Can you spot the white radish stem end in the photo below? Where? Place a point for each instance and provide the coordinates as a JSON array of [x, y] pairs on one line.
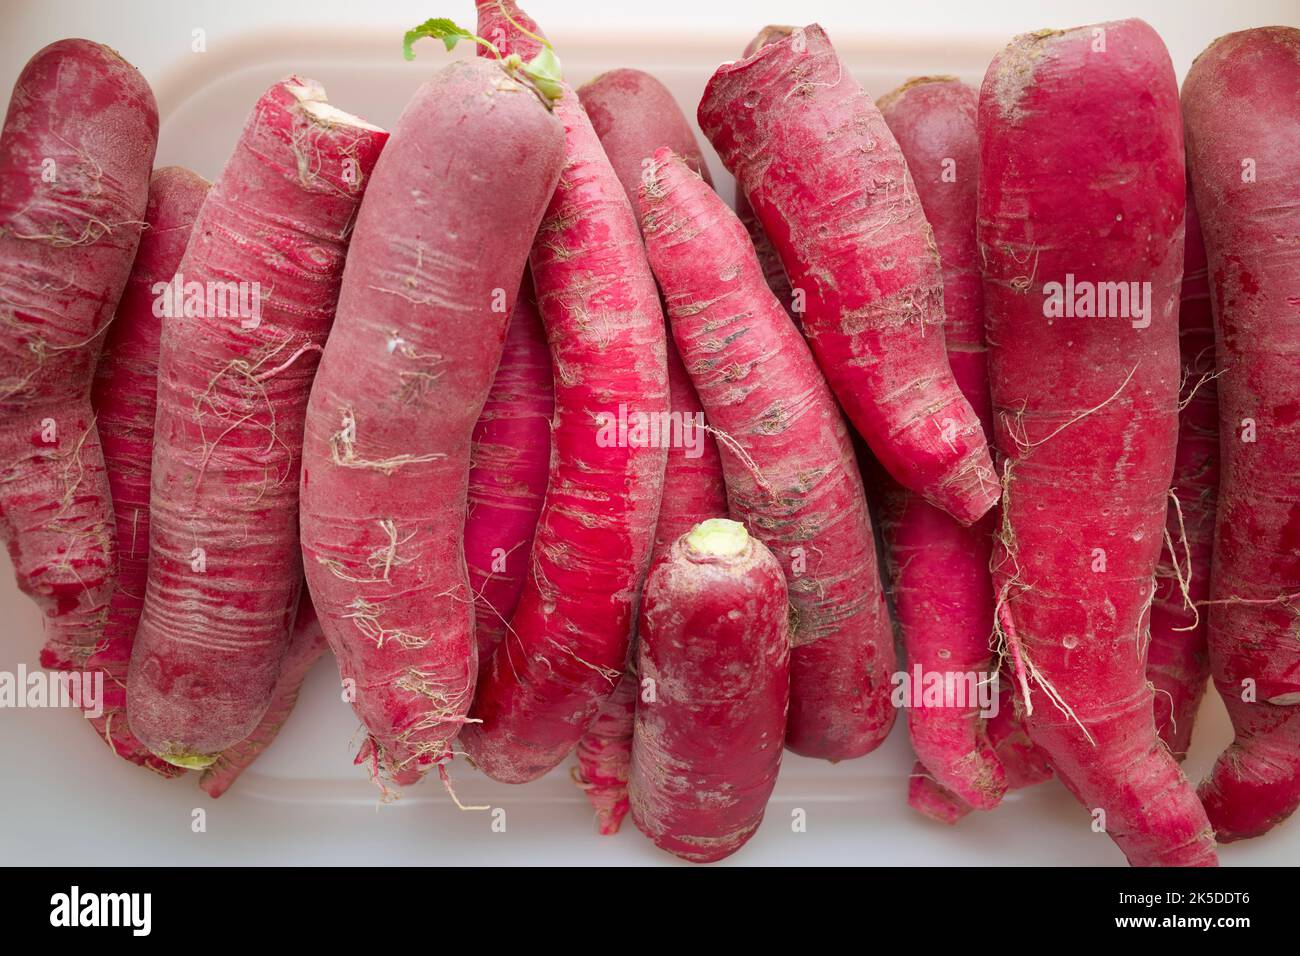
[[718, 538], [314, 104]]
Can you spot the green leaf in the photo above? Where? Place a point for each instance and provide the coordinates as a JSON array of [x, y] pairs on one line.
[[545, 72], [440, 28]]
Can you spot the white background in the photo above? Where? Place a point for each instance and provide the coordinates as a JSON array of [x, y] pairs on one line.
[[65, 799], [140, 28]]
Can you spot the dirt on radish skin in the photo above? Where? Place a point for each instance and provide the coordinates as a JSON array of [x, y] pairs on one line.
[[1086, 408], [715, 648], [634, 114], [75, 158], [125, 397], [1243, 150], [790, 470], [570, 634], [437, 257], [233, 381], [829, 184]]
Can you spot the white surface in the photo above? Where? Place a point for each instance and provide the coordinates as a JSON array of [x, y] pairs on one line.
[[67, 800]]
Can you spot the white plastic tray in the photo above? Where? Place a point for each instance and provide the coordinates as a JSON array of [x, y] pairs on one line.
[[66, 800]]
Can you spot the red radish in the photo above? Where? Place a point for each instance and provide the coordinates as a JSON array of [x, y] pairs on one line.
[[715, 647], [693, 492], [943, 601], [250, 307], [634, 114], [125, 400], [943, 593], [507, 478], [1178, 661], [436, 260], [1243, 146], [1023, 763], [605, 754], [1086, 405], [306, 645], [569, 637], [789, 464], [930, 798], [768, 258], [693, 482], [830, 187], [75, 158]]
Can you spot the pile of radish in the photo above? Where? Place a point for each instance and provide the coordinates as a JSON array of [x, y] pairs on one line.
[[562, 458]]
